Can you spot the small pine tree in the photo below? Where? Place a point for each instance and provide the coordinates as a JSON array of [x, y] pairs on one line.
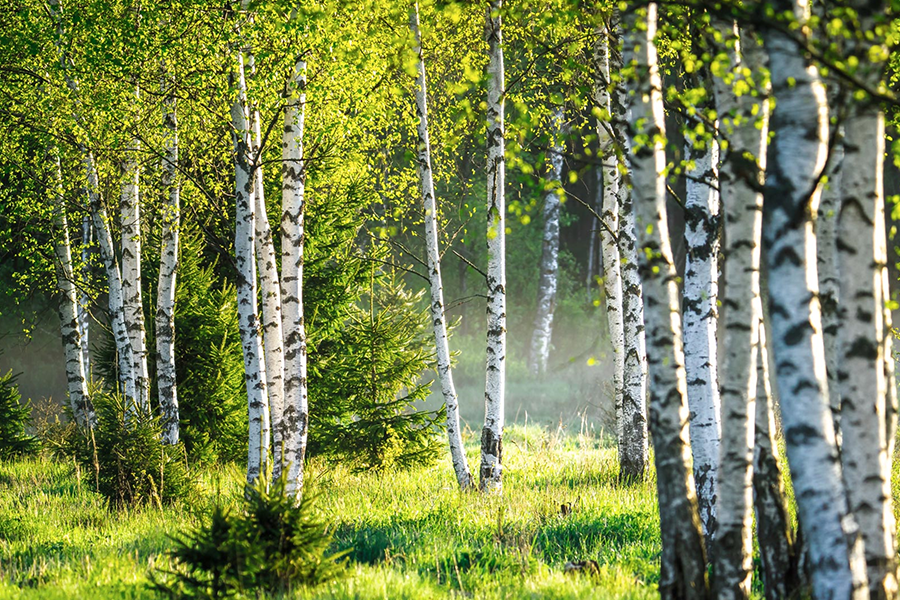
[[14, 417]]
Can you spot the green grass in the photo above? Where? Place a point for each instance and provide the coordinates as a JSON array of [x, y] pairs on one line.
[[410, 534]]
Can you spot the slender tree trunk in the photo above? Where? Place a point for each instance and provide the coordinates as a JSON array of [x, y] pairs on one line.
[[543, 321], [432, 239], [682, 564], [130, 214], [168, 271], [84, 299], [862, 259], [744, 123], [76, 383], [495, 377], [796, 157], [634, 446], [777, 550], [699, 306], [595, 264], [609, 232], [295, 417], [248, 319]]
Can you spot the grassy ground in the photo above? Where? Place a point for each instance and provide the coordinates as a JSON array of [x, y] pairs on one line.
[[409, 534]]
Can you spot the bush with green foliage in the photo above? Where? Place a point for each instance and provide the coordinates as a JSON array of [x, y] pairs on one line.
[[128, 460], [14, 417], [272, 544]]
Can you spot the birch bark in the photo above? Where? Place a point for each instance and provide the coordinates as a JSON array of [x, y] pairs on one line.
[[682, 564], [432, 238], [168, 272], [700, 315], [797, 155], [495, 377], [744, 124], [862, 258], [295, 418], [547, 286], [248, 319], [76, 383], [84, 299]]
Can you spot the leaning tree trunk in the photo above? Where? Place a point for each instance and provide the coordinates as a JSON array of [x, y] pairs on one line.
[[76, 383], [700, 313], [796, 157], [547, 286], [495, 371], [862, 258], [248, 319], [744, 124], [295, 418], [130, 214], [682, 564], [634, 446], [84, 299], [432, 235], [166, 379], [777, 551], [609, 232]]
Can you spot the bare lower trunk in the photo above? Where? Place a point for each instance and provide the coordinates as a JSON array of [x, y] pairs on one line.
[[744, 123], [701, 315], [76, 383], [248, 319], [796, 157], [432, 238], [547, 286], [777, 551], [295, 417], [682, 564], [495, 377], [168, 271], [84, 299]]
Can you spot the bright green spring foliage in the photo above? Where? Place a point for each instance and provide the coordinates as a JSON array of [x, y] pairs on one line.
[[269, 544], [14, 417]]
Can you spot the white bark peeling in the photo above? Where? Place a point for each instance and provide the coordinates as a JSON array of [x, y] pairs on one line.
[[432, 239], [547, 286], [248, 319], [168, 271], [295, 416], [682, 564], [76, 383], [796, 157], [495, 377]]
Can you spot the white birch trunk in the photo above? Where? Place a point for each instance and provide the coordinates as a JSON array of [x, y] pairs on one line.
[[432, 239], [634, 445], [862, 258], [547, 286], [295, 417], [168, 271], [84, 299], [744, 122], [796, 157], [495, 376], [76, 383], [682, 564], [130, 215], [700, 315], [248, 319]]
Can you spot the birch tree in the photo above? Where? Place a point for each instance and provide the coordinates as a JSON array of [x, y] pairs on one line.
[[495, 371], [168, 271], [700, 312], [547, 285], [862, 257], [84, 298], [743, 123], [295, 416], [435, 282], [76, 382], [682, 564], [796, 157]]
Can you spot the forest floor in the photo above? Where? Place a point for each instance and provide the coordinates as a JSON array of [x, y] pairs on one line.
[[410, 534]]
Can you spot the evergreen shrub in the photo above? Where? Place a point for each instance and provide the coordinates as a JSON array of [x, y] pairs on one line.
[[14, 418]]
